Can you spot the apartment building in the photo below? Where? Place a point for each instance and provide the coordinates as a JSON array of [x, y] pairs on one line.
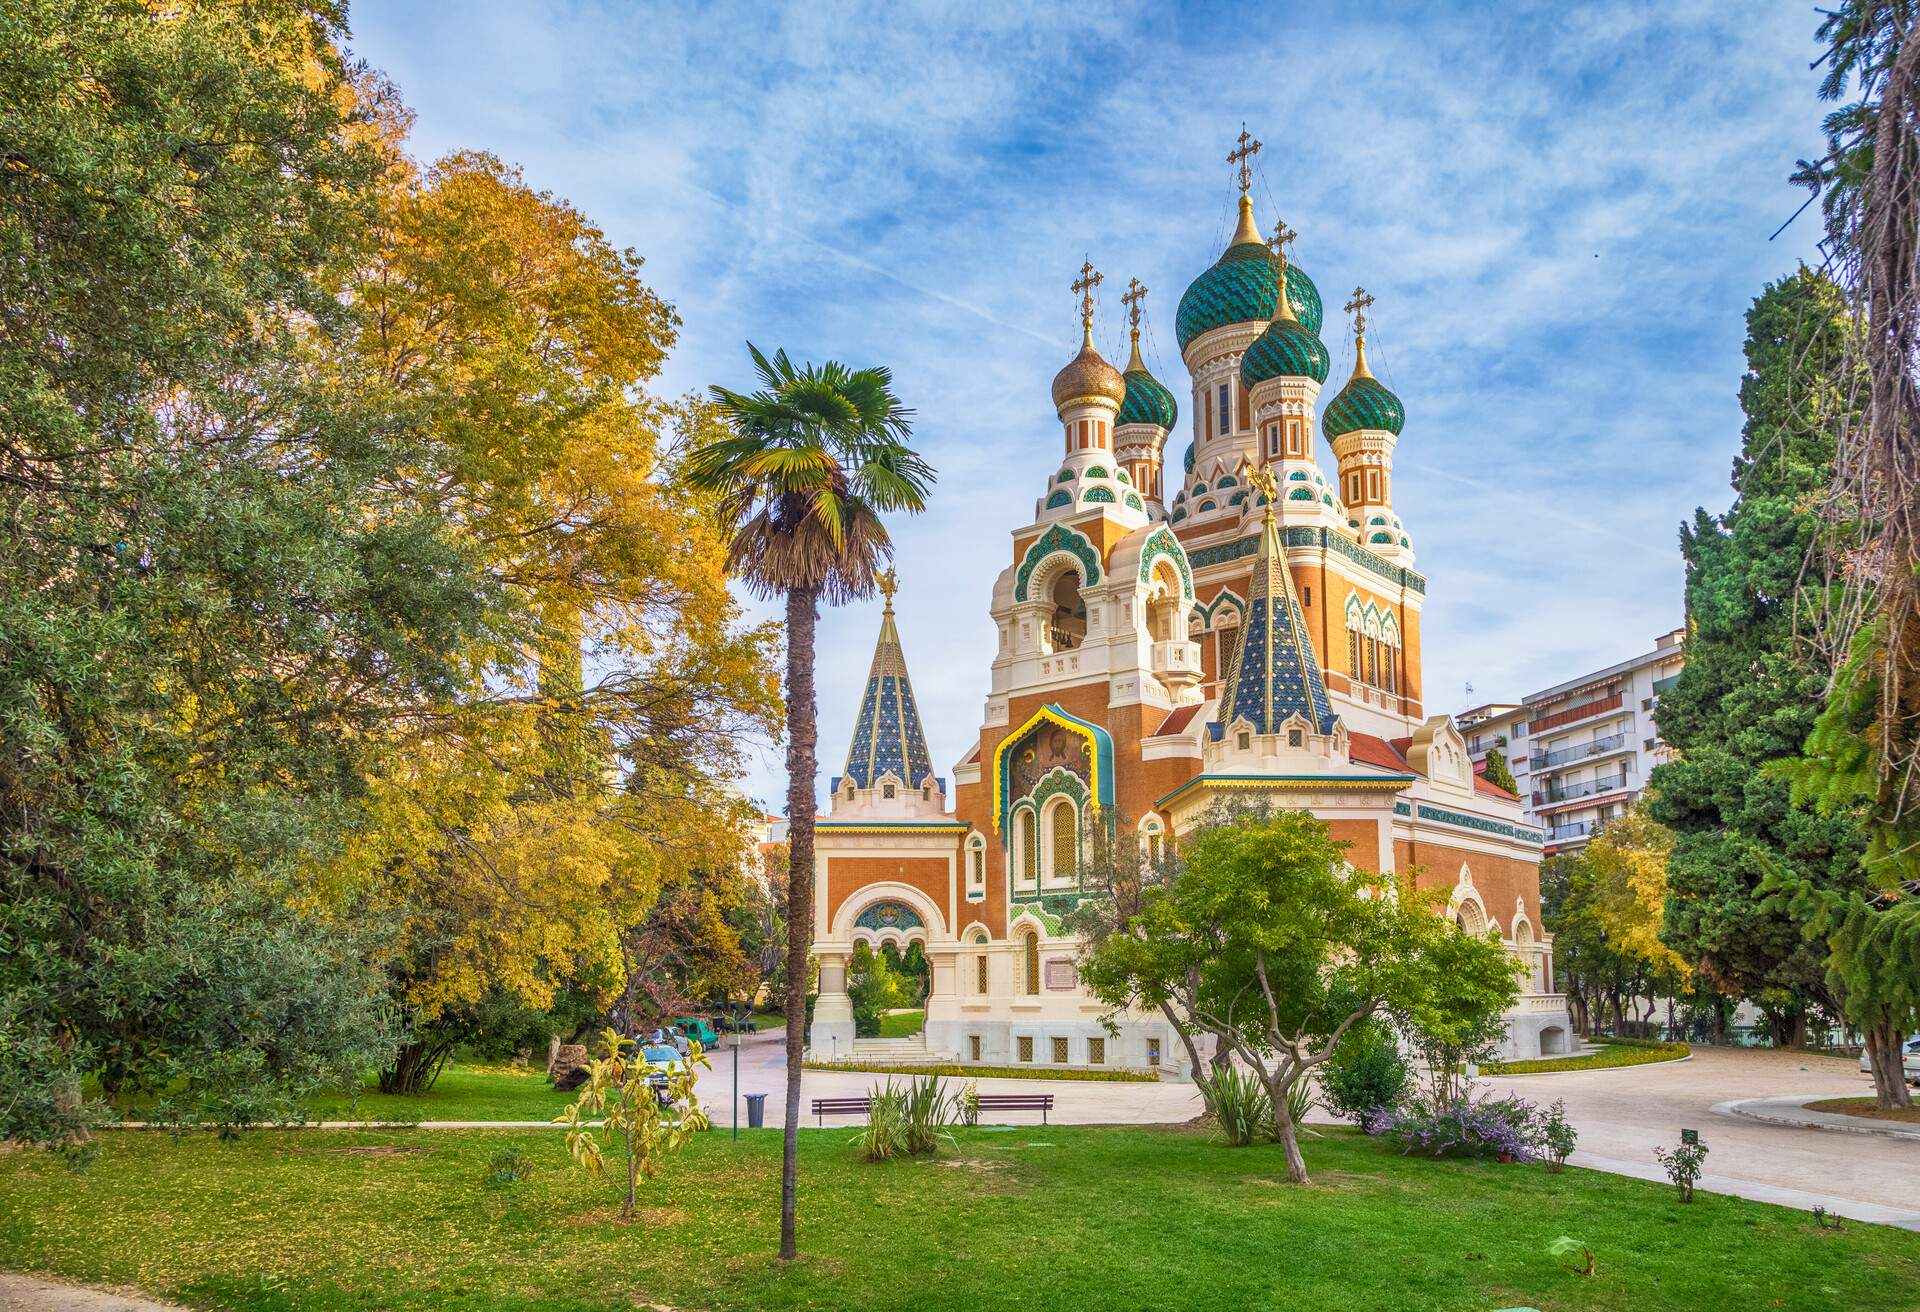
[[1582, 750]]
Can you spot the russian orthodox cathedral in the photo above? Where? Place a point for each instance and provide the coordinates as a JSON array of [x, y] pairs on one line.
[[1243, 627]]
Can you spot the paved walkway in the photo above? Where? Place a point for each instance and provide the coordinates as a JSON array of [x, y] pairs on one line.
[[1625, 1113], [31, 1294], [1795, 1112]]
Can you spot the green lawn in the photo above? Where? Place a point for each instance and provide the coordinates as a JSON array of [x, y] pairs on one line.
[[1056, 1218], [901, 1024], [1612, 1052], [462, 1093]]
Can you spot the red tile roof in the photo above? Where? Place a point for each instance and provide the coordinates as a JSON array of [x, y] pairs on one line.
[[1481, 784], [1177, 720], [1367, 749]]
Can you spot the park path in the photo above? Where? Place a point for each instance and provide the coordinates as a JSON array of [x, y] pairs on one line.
[[32, 1294]]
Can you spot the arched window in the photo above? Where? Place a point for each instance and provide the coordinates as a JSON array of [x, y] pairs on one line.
[[1067, 625], [1031, 959], [1063, 839], [976, 864], [1026, 845], [1153, 839], [1353, 653]]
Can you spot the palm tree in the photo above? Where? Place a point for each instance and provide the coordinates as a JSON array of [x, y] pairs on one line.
[[815, 458]]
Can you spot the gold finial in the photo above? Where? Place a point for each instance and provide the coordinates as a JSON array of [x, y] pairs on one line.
[[1136, 292], [1282, 238], [889, 584], [1242, 158], [1357, 307], [1266, 485], [1083, 286]]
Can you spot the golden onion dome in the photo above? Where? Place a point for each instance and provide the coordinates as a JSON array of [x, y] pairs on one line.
[[1088, 377]]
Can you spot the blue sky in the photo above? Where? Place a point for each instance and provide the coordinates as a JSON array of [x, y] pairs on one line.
[[1563, 210]]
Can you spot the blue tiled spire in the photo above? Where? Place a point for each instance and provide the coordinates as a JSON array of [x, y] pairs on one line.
[[887, 738], [1274, 672]]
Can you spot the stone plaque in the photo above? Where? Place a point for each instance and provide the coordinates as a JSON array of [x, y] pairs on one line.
[[1061, 977]]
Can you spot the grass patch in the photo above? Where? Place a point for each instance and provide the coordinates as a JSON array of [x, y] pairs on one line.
[[285, 1223], [769, 1020], [462, 1093], [902, 1024], [988, 1072], [1866, 1107], [1613, 1052]]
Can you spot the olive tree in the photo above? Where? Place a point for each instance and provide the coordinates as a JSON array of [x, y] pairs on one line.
[[1262, 936]]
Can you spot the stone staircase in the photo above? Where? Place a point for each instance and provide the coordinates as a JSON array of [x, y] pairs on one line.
[[906, 1051]]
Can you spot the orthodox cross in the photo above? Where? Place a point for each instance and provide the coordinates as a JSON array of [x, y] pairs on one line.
[[1282, 238], [1136, 292], [889, 584], [1084, 286], [1243, 159], [1357, 307]]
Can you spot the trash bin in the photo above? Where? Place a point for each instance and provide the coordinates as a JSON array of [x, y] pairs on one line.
[[756, 1111]]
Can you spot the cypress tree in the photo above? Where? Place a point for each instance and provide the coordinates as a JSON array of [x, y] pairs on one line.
[[1751, 688], [1499, 773]]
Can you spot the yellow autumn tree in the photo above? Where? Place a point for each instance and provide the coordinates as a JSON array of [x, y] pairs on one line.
[[523, 824], [1626, 863]]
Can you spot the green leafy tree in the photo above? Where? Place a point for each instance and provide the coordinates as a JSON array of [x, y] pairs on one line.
[[647, 1121], [218, 585], [812, 462], [1499, 773], [1752, 686], [1265, 940]]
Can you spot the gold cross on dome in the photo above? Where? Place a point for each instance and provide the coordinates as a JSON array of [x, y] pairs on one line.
[[1283, 237], [1136, 292], [1357, 307], [889, 584], [1084, 286], [1243, 158]]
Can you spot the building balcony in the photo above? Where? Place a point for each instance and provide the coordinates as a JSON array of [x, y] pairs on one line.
[[1613, 742], [1571, 830], [1586, 788], [1176, 662], [1573, 714]]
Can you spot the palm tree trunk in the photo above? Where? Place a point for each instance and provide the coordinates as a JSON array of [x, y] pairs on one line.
[[802, 748]]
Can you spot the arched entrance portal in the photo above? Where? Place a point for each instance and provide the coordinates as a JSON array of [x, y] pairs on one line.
[[888, 975]]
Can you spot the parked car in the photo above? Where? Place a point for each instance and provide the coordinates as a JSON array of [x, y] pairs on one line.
[[696, 1027], [666, 1062], [665, 1037], [1910, 1061]]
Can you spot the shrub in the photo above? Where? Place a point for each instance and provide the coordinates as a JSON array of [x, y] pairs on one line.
[[885, 1135], [1299, 1103], [508, 1166], [1241, 1106], [926, 1111], [1465, 1127], [1683, 1166], [1558, 1136], [1366, 1073]]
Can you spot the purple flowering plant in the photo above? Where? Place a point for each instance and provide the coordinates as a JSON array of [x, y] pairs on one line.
[[1467, 1127]]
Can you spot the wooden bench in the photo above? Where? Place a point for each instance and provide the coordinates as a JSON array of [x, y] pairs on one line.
[[825, 1107], [1017, 1102], [988, 1102]]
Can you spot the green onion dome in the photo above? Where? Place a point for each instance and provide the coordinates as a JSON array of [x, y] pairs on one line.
[[1148, 402], [1365, 402], [1287, 349], [1088, 377], [1240, 287]]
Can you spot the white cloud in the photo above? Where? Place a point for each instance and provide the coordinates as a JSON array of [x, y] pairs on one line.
[[1563, 211]]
